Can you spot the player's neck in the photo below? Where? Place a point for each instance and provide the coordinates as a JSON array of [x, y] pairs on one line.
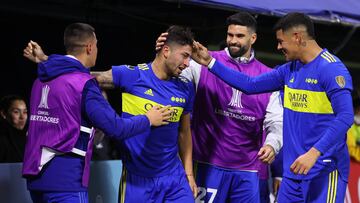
[[81, 58], [158, 67], [310, 52]]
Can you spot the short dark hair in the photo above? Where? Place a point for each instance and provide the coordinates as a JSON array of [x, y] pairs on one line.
[[243, 19], [295, 19], [75, 35], [179, 35], [7, 101]]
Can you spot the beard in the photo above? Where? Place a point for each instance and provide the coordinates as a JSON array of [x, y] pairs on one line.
[[242, 50]]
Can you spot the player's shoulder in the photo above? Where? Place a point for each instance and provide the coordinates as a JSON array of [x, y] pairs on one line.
[[329, 61], [329, 58], [183, 79], [183, 83], [135, 68], [262, 67], [142, 67]]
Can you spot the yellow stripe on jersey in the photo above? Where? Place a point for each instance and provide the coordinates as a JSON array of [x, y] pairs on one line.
[[329, 186], [307, 101], [332, 188], [122, 186], [135, 105]]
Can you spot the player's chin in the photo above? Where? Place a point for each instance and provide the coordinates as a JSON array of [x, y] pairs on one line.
[[177, 74]]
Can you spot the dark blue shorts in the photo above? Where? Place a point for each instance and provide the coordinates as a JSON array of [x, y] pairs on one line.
[[172, 188], [329, 188], [222, 185]]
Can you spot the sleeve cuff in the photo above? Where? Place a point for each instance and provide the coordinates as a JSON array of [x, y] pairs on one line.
[[211, 64]]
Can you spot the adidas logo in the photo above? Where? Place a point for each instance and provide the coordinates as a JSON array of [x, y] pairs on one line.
[[292, 80], [149, 92]]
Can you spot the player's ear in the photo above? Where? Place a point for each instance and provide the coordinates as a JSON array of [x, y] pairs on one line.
[[2, 113], [253, 38], [166, 51], [89, 48]]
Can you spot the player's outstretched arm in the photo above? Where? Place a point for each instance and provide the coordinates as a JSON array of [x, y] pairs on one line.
[[104, 78], [34, 53], [159, 115], [185, 151], [103, 116]]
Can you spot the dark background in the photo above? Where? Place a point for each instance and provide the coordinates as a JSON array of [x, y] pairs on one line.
[[127, 30]]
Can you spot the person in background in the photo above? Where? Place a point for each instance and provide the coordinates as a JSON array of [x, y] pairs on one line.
[[353, 138], [13, 122]]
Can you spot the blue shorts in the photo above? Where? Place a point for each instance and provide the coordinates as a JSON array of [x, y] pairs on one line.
[[59, 197], [264, 191], [329, 188], [172, 188], [223, 185]]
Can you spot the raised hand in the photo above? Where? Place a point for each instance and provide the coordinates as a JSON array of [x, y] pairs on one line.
[[34, 53], [200, 54], [161, 41], [159, 115]]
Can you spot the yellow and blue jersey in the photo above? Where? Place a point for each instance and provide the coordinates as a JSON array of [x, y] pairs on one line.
[[317, 109], [308, 112], [153, 153]]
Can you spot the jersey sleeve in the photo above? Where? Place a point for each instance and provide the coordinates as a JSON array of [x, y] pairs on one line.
[[101, 115], [336, 81], [273, 122], [124, 75], [335, 77]]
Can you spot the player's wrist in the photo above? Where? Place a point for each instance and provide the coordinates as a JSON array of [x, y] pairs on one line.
[[211, 62], [315, 152]]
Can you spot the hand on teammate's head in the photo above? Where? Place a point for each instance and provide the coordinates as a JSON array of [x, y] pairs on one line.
[[160, 41]]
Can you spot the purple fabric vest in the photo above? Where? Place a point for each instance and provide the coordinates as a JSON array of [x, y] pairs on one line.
[[227, 124], [55, 119]]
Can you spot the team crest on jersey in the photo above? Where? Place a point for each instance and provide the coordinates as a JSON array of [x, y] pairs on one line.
[[340, 80], [236, 99], [44, 97]]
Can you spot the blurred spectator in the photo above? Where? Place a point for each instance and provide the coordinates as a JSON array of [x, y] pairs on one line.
[[353, 138], [12, 128], [104, 147]]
